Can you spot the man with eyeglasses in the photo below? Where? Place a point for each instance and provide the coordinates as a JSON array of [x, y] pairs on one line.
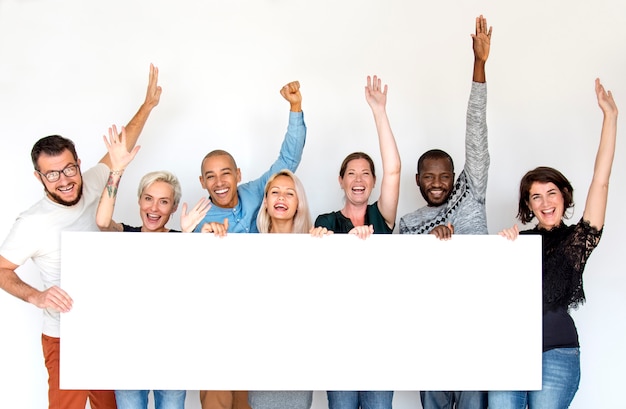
[[70, 203]]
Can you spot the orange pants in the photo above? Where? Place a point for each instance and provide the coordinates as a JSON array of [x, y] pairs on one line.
[[224, 400], [69, 399]]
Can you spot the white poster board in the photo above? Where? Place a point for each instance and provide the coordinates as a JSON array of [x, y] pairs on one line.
[[254, 312]]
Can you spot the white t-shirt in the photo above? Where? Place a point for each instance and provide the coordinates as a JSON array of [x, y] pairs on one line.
[[36, 234]]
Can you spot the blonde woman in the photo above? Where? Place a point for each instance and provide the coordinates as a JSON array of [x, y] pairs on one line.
[[284, 210]]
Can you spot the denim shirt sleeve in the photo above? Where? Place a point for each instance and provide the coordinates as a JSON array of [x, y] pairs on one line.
[[289, 156], [243, 217]]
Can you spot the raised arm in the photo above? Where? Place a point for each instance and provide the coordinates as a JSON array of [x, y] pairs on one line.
[[292, 147], [291, 92], [390, 186], [476, 136], [481, 42], [120, 157], [136, 124], [595, 207]]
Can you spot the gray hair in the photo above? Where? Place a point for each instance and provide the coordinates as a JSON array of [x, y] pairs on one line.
[[161, 176]]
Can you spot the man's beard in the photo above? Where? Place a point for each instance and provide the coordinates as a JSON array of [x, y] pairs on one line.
[[429, 202], [56, 198]]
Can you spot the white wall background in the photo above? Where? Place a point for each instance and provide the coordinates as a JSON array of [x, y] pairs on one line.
[[74, 68]]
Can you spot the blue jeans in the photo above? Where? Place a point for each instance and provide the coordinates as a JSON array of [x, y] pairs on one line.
[[139, 399], [360, 399], [447, 400], [560, 378]]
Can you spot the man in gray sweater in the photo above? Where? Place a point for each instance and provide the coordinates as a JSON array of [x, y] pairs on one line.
[[457, 207]]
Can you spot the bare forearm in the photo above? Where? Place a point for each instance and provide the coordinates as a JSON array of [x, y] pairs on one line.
[[606, 150], [296, 106], [390, 186], [387, 142], [104, 214], [136, 124], [12, 284], [595, 207], [479, 71]]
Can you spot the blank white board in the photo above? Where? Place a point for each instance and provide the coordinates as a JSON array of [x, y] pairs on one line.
[[283, 312]]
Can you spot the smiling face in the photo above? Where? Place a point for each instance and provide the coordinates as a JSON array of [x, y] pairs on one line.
[[435, 180], [547, 204], [66, 191], [156, 205], [220, 178], [281, 199], [357, 181]]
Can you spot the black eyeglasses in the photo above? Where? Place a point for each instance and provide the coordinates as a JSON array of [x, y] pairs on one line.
[[54, 175]]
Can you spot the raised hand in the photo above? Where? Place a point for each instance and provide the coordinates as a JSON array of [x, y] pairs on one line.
[[375, 95], [119, 155], [605, 99], [189, 221], [481, 39], [153, 95], [291, 92], [595, 207]]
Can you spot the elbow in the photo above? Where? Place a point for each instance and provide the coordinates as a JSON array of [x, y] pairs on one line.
[[102, 225], [394, 171], [392, 168]]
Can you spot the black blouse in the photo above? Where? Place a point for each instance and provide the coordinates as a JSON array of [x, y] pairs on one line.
[[566, 250]]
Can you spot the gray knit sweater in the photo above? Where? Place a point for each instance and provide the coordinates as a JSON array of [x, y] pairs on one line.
[[465, 208]]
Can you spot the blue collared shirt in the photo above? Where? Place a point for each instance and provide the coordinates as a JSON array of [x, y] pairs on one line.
[[242, 218]]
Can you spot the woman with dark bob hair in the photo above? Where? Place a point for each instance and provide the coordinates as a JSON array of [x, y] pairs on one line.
[[547, 195], [543, 174]]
